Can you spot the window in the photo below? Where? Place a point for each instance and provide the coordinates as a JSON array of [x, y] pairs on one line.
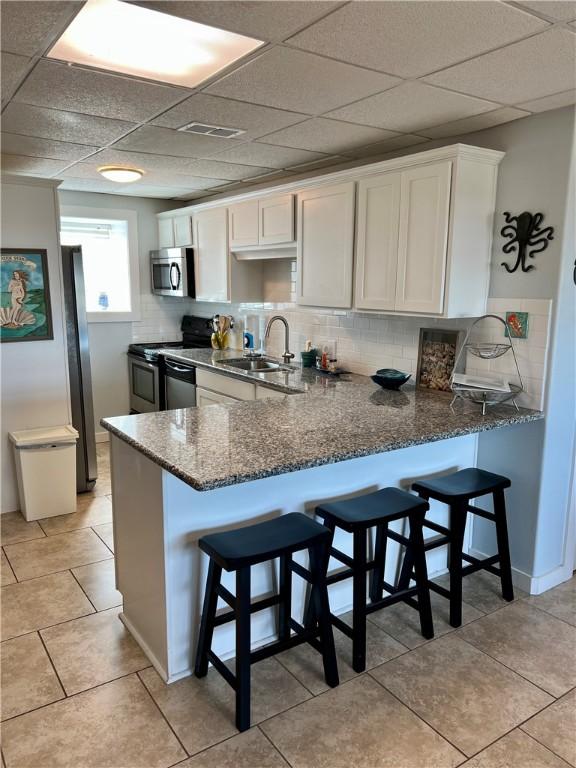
[[110, 258]]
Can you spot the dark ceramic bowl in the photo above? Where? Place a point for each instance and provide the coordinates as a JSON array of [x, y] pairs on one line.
[[390, 378]]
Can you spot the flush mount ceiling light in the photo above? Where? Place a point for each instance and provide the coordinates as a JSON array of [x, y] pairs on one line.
[[119, 174], [121, 37]]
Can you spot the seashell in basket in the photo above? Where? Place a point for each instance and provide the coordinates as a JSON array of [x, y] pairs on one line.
[[15, 317]]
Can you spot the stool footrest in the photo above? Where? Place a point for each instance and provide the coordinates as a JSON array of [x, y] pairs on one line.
[[481, 512], [223, 669], [487, 564], [342, 626], [257, 605], [398, 538], [301, 571], [333, 578], [435, 541], [436, 527], [341, 557], [401, 595], [439, 590]]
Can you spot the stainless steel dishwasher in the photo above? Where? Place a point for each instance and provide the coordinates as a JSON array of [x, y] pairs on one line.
[[179, 385]]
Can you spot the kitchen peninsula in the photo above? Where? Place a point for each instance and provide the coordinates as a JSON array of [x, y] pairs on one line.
[[177, 475]]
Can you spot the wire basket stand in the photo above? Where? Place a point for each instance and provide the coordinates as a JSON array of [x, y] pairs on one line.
[[487, 350]]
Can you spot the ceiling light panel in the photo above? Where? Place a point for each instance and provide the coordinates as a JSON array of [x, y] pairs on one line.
[[121, 37]]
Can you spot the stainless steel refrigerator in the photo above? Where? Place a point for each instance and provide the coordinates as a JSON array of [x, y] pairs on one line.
[[79, 367]]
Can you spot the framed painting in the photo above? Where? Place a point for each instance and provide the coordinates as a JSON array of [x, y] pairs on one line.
[[25, 313], [436, 358]]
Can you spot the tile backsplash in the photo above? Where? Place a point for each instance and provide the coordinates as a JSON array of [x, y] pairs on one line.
[[365, 341]]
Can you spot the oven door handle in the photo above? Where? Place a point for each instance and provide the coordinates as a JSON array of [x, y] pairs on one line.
[[178, 368], [175, 285]]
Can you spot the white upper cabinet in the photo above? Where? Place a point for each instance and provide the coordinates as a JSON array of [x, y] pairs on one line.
[[165, 233], [325, 245], [243, 223], [264, 221], [423, 235], [182, 231], [276, 220], [378, 223], [211, 263], [174, 231]]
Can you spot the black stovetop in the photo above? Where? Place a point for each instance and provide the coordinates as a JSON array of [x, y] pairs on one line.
[[196, 333]]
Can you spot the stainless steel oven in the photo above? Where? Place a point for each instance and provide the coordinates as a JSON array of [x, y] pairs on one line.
[[144, 385], [172, 272]]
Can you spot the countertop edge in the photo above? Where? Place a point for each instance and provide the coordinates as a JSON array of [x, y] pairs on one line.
[[286, 468]]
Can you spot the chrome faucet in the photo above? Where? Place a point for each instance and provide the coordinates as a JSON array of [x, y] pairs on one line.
[[287, 355]]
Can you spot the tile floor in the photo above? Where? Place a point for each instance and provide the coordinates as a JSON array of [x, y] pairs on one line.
[[77, 692]]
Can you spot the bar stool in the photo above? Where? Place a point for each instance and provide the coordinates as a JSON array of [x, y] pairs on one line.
[[457, 490], [357, 516], [238, 550]]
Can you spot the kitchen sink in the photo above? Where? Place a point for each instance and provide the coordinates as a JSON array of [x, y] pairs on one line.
[[258, 365]]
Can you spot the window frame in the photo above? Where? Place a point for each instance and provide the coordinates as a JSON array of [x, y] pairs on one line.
[[121, 214]]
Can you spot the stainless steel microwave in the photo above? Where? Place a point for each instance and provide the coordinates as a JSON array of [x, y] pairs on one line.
[[172, 272]]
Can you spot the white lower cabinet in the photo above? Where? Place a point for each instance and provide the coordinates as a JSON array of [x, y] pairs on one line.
[[227, 386], [265, 393], [325, 245], [207, 397]]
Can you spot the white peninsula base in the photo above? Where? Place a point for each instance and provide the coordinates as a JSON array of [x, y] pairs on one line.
[[158, 520]]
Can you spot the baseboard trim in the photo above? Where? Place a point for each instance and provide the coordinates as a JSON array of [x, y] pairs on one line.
[[146, 648], [534, 585], [102, 437]]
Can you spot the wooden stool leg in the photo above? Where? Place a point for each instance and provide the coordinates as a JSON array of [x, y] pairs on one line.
[[503, 546], [359, 603], [376, 588], [457, 527], [243, 648], [285, 591], [207, 621], [319, 557], [421, 575], [309, 612]]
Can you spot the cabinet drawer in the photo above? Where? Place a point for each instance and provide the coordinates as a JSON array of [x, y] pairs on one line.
[[241, 390], [207, 397]]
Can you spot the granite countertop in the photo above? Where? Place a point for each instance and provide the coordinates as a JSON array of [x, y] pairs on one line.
[[329, 420]]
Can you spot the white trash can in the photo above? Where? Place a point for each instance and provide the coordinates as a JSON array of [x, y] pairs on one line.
[[46, 470]]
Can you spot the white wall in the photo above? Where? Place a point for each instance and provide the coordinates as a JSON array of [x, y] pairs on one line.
[[160, 317], [35, 390]]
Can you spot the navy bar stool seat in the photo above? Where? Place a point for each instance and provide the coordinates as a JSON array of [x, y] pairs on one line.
[[238, 550], [457, 490], [357, 516]]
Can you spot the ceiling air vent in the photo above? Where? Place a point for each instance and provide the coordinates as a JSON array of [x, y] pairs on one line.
[[212, 130]]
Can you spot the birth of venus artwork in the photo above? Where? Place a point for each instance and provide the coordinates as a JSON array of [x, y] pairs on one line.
[[25, 295]]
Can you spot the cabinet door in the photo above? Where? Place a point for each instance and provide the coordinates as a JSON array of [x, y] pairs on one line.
[[276, 220], [325, 245], [377, 241], [206, 397], [165, 233], [424, 217], [265, 393], [243, 223], [211, 263], [182, 231]]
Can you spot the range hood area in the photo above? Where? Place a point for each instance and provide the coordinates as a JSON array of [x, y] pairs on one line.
[[264, 252]]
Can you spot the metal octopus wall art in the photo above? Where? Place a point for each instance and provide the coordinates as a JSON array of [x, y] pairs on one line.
[[526, 236]]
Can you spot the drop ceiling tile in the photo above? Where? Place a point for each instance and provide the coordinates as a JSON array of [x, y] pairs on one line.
[[299, 81], [32, 166], [59, 86], [166, 141], [316, 164], [210, 169], [256, 153], [411, 39], [556, 101], [542, 65], [390, 145], [562, 10], [14, 144], [475, 123], [322, 135], [13, 70], [213, 110], [411, 107], [110, 188], [30, 27], [264, 20], [63, 126]]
